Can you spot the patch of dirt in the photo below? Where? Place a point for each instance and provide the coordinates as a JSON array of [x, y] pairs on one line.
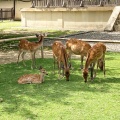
[[12, 56]]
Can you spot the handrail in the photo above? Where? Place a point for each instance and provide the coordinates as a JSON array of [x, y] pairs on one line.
[[73, 3]]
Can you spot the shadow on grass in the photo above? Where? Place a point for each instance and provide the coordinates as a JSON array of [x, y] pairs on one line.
[[18, 97]]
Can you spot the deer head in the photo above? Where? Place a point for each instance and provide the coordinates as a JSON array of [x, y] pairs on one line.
[[67, 74], [85, 75], [42, 70], [41, 36]]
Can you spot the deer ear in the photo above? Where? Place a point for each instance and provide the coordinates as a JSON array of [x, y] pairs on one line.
[[37, 35], [45, 34]]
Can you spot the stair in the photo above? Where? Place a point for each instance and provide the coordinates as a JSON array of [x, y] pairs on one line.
[[114, 20]]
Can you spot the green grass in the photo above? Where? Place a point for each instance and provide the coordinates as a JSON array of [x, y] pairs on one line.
[[8, 25], [58, 99], [12, 29]]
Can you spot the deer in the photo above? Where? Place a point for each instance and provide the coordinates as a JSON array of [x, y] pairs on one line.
[[60, 55], [94, 55], [33, 78], [78, 47], [27, 46]]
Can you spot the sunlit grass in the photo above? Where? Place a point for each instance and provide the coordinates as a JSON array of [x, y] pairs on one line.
[[58, 99], [7, 24], [11, 29]]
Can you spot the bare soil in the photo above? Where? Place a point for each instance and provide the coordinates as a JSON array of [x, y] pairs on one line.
[[12, 56]]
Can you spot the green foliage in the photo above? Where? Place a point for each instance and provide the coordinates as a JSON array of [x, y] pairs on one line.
[[60, 99]]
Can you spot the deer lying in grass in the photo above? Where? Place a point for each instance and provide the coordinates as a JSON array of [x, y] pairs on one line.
[[96, 53], [32, 47], [60, 55], [33, 78], [77, 47]]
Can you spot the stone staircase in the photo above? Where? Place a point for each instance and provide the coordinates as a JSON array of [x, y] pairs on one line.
[[116, 26], [114, 20]]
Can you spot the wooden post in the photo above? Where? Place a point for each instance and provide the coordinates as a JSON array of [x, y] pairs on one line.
[[1, 17], [101, 3], [82, 3], [14, 9]]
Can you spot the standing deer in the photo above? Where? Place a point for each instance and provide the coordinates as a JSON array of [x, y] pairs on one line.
[[77, 47], [60, 55], [27, 46], [33, 78], [96, 53]]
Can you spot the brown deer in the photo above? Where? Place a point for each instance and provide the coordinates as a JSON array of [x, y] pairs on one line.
[[77, 47], [60, 55], [27, 46], [96, 53], [33, 78]]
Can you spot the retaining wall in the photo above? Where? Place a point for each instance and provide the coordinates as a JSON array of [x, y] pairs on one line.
[[87, 18]]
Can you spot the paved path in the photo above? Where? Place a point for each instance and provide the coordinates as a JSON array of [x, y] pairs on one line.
[[97, 35]]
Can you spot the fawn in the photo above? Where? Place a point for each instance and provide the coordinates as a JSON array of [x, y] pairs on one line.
[[77, 47], [33, 78], [60, 55], [96, 53], [27, 46]]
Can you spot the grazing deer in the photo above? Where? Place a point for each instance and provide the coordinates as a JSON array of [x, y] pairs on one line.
[[77, 47], [33, 78], [32, 47], [96, 53], [60, 54]]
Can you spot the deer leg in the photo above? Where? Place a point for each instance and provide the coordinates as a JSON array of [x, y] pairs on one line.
[[97, 64], [62, 67], [70, 59], [34, 62], [23, 53], [81, 66], [91, 71], [94, 70], [59, 69], [19, 56], [54, 63], [70, 63], [104, 64], [32, 56]]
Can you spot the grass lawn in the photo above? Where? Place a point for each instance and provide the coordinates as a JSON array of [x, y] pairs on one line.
[[12, 29], [58, 99]]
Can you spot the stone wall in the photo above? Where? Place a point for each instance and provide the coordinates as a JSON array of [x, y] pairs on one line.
[[87, 18]]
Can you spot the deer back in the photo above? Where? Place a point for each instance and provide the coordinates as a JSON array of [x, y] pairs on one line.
[[56, 48], [29, 78], [97, 51], [78, 47], [31, 46], [59, 51]]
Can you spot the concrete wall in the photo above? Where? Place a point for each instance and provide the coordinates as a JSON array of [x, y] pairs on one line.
[[89, 18], [19, 6]]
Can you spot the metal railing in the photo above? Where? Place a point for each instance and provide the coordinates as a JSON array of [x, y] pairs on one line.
[[73, 3], [6, 14]]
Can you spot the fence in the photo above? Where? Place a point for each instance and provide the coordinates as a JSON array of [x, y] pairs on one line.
[[73, 3], [6, 13]]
